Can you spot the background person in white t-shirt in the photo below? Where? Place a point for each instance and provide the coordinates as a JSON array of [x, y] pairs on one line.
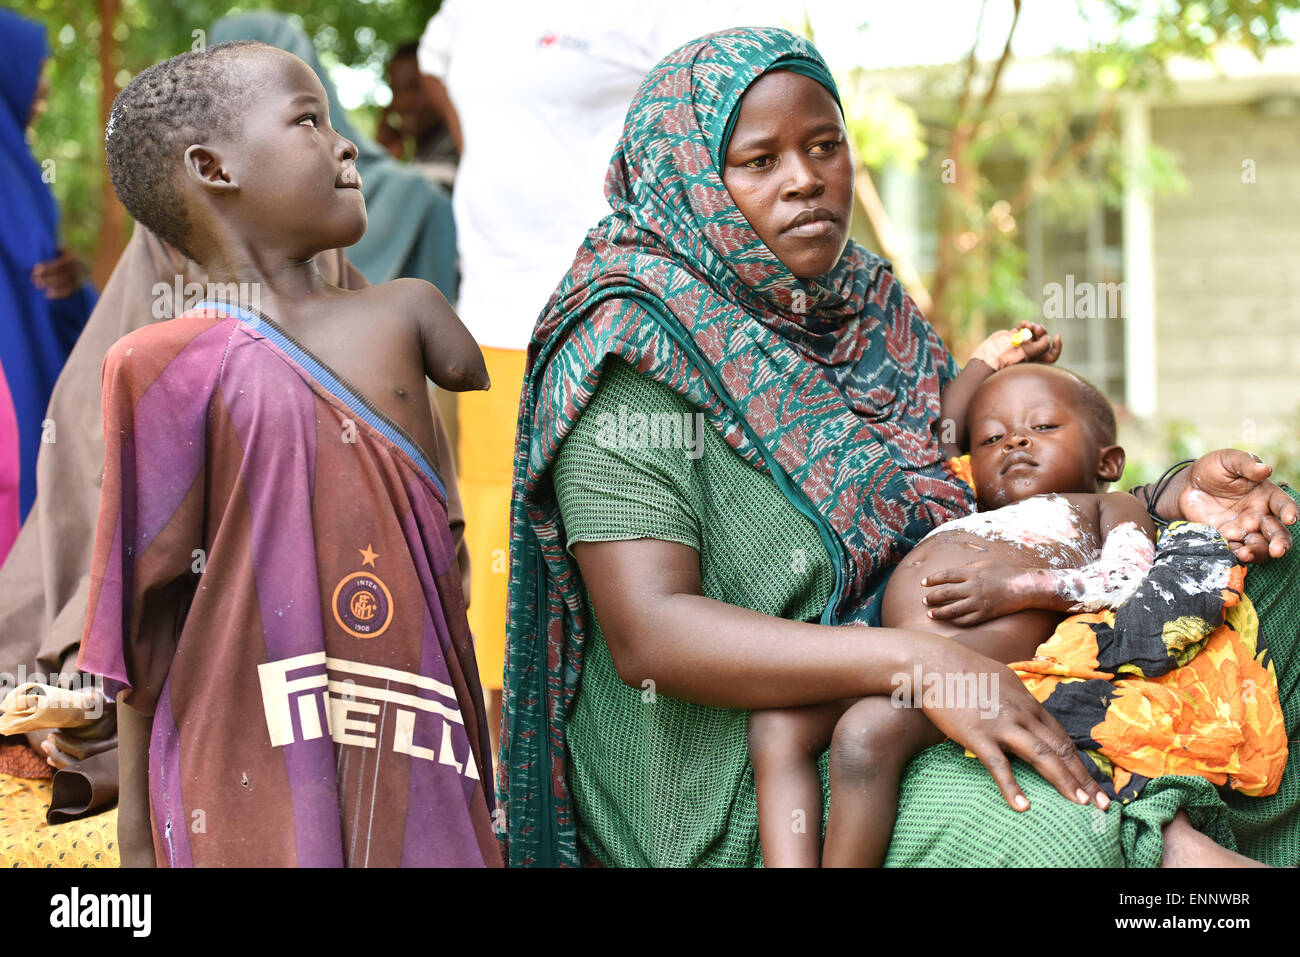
[[541, 92]]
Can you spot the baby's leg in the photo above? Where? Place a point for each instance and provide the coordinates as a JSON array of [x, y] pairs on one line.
[[875, 738], [871, 745], [784, 745]]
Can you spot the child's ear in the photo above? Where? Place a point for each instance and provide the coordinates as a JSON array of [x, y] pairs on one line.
[[203, 165], [1110, 463]]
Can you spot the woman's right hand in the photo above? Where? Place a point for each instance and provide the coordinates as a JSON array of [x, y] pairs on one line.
[[1012, 720]]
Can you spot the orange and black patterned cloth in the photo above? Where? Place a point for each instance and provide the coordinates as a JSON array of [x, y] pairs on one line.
[[1175, 681]]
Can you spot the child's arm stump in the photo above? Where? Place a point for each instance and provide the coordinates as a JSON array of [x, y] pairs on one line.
[[452, 359]]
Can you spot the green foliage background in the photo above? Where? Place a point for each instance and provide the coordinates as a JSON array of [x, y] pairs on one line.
[[1128, 51], [357, 33]]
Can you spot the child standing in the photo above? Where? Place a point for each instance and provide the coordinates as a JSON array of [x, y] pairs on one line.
[[274, 591]]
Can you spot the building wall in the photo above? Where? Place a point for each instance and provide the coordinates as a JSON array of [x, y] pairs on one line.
[[1228, 273]]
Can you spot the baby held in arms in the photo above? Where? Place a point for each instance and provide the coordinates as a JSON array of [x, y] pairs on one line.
[[1047, 540]]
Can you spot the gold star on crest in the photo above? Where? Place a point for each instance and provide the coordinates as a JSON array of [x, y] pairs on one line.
[[367, 556]]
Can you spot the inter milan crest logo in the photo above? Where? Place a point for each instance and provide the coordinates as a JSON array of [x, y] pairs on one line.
[[363, 605]]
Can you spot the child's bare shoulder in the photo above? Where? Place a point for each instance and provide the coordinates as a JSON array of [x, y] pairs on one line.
[[1114, 502], [1084, 500], [1122, 499], [1098, 502], [1119, 508], [452, 358], [418, 300]]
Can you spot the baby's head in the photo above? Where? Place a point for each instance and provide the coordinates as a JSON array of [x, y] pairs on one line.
[[1036, 428], [229, 150]]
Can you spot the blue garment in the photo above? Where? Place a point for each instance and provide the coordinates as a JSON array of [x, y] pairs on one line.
[[36, 333]]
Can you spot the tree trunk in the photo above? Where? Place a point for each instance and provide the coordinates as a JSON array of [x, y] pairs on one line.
[[890, 245], [112, 229]]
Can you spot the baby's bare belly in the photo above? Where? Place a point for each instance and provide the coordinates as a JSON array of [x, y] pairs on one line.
[[902, 603], [956, 549], [1047, 531]]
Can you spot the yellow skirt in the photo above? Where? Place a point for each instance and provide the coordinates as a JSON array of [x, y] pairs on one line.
[[486, 446], [27, 841]]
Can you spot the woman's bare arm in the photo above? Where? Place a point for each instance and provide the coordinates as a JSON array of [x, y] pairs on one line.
[[660, 627]]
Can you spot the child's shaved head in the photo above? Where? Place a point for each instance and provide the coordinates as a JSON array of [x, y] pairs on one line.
[[157, 116], [1096, 407], [1091, 405], [1036, 429]]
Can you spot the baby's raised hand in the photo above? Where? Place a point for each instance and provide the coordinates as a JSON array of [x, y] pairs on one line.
[[1027, 342]]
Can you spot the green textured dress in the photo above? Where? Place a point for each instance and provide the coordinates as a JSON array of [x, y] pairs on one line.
[[661, 782], [656, 780]]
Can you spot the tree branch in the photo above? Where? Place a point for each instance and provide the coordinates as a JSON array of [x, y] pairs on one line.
[[968, 83], [1072, 157], [883, 227], [991, 93]]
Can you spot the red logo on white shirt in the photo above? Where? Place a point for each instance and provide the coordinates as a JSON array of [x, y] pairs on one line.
[[552, 39]]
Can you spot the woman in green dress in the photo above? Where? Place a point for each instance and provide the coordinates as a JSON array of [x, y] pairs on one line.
[[727, 439]]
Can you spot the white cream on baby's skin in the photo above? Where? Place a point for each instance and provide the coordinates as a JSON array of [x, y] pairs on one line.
[[1112, 579], [1041, 524], [1088, 576]]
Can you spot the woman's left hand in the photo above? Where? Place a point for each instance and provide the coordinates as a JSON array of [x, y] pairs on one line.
[[62, 751], [1230, 489], [62, 747]]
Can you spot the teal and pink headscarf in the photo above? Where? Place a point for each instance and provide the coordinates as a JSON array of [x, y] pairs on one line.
[[830, 385]]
